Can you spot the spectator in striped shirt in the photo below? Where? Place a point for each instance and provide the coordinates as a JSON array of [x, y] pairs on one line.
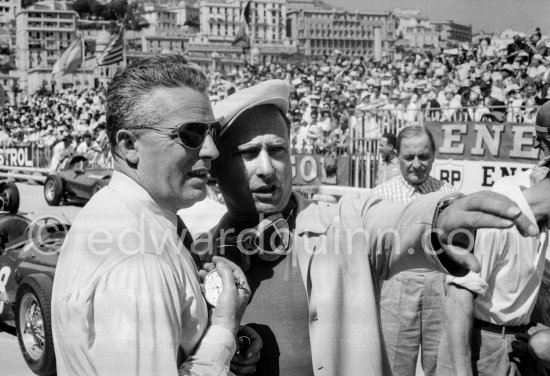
[[411, 302]]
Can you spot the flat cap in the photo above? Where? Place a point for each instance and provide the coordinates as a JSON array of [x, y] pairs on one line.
[[275, 92]]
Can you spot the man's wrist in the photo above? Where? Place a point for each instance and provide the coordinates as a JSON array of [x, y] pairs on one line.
[[443, 204]]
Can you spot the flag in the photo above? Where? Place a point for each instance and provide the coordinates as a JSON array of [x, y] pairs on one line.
[[114, 52], [70, 59], [242, 33]]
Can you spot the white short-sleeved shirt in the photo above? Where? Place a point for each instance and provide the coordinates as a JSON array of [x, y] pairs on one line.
[[511, 269]]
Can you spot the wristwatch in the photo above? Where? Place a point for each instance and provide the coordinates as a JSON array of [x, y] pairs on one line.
[[443, 204], [448, 264]]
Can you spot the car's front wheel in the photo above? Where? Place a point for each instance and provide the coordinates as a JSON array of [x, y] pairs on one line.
[[33, 323], [53, 190], [10, 197]]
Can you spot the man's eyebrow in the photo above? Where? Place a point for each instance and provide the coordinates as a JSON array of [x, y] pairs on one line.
[[254, 144]]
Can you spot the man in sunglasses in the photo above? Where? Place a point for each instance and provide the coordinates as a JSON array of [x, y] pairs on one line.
[[126, 295], [315, 293]]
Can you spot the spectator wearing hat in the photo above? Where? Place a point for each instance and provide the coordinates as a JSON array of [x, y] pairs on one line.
[[537, 68], [537, 45], [507, 73]]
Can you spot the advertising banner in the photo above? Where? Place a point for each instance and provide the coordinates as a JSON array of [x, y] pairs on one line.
[[313, 169], [16, 156], [472, 156]]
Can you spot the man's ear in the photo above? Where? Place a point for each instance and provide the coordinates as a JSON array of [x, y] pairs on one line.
[[126, 142]]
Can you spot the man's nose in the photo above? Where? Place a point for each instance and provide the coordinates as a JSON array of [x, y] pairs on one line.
[[209, 149], [416, 163], [265, 166]]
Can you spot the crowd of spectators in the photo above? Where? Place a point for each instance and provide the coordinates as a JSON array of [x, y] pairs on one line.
[[338, 95], [333, 98], [61, 124]]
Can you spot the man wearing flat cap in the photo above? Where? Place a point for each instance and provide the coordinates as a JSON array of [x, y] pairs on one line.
[[315, 294]]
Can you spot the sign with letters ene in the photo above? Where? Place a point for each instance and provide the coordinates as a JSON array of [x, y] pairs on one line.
[[472, 156]]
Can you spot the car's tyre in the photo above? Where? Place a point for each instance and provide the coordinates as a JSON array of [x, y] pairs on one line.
[[53, 190], [33, 323], [10, 196]]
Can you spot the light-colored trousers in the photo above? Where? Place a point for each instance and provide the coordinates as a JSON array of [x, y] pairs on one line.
[[411, 308]]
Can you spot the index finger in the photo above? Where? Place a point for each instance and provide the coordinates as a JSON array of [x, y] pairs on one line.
[[226, 274], [493, 208]]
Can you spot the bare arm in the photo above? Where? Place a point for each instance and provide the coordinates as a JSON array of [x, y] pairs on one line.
[[459, 306]]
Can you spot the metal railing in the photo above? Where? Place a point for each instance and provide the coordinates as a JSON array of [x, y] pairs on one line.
[[366, 127]]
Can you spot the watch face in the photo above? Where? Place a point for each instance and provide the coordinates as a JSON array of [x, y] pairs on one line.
[[212, 287]]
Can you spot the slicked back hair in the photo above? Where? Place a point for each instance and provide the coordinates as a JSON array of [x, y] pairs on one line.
[[413, 131], [128, 91]]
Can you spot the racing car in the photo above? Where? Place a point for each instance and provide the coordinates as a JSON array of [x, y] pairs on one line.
[[79, 180], [28, 254], [9, 196]]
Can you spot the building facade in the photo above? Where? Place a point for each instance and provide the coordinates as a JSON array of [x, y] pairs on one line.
[[319, 32], [418, 32], [220, 22], [8, 10], [41, 37], [161, 20], [186, 11], [452, 34]]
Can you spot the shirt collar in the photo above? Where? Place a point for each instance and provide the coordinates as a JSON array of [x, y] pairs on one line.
[[129, 188], [422, 188]]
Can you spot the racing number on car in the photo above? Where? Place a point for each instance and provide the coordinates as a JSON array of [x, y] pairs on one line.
[[4, 275]]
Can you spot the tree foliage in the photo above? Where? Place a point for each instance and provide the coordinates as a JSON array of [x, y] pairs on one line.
[[27, 3], [127, 15]]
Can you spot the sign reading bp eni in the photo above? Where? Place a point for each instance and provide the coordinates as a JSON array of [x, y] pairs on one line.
[[472, 156], [18, 156]]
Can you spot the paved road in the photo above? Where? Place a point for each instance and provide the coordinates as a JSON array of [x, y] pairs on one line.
[[32, 205]]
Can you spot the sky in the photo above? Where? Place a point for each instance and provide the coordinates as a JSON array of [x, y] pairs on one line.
[[487, 15]]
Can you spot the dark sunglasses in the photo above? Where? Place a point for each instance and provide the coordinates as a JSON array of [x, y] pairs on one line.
[[192, 135]]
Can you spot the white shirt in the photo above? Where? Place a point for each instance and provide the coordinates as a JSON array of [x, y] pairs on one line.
[[59, 153], [126, 296], [203, 216], [511, 269]]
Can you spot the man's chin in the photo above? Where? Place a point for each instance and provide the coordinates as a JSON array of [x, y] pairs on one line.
[[268, 208], [191, 197]]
